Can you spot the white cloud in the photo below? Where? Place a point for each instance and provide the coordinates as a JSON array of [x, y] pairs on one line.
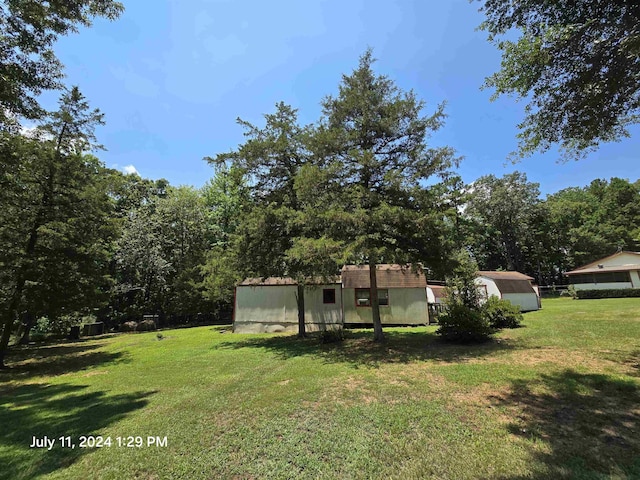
[[130, 170]]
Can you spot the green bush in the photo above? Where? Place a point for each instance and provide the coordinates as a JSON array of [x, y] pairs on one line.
[[146, 326], [608, 293], [331, 336], [460, 323], [128, 326], [41, 329], [570, 292], [501, 313]]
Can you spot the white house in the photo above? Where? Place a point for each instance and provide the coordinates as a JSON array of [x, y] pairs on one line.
[[270, 305], [513, 286], [620, 270], [402, 295]]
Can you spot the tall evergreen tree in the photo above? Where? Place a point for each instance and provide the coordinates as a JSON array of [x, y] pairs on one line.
[[272, 158], [371, 164]]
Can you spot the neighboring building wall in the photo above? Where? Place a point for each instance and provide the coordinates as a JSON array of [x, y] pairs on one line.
[[273, 308], [526, 301], [407, 306], [602, 286], [635, 278]]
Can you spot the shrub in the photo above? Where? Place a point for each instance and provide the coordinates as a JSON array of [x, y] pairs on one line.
[[570, 292], [332, 336], [128, 327], [146, 326], [460, 323], [463, 319], [501, 313], [41, 329], [608, 293]]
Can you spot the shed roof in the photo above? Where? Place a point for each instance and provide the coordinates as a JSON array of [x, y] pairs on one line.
[[439, 291], [514, 286], [272, 281], [504, 275], [387, 276]]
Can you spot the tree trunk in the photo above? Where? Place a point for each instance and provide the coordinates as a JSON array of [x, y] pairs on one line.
[[300, 300], [28, 324], [378, 335], [11, 314]]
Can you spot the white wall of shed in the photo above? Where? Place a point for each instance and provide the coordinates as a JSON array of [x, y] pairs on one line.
[[407, 306], [431, 298], [492, 288], [274, 308], [527, 302], [317, 312]]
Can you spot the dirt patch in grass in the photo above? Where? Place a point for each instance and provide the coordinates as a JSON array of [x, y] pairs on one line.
[[575, 359]]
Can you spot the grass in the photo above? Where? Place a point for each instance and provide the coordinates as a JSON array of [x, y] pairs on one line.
[[559, 398]]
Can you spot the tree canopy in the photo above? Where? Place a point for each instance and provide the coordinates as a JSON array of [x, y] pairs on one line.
[[28, 64], [578, 65]]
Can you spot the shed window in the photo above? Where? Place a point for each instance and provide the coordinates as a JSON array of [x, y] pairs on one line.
[[383, 297], [363, 297], [329, 295]]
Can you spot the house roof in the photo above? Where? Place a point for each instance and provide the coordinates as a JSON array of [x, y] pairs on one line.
[[613, 268], [593, 266], [387, 276], [504, 275], [273, 281]]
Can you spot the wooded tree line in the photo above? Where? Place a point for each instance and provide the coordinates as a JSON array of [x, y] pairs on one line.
[[359, 185], [82, 240]]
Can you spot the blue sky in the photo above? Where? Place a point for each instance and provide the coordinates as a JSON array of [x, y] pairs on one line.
[[173, 78]]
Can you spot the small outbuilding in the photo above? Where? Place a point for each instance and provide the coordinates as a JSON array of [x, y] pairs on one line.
[[402, 295], [436, 294], [513, 286], [271, 305], [618, 271]]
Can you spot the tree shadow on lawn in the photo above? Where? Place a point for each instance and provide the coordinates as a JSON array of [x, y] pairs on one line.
[[54, 411], [58, 359], [359, 350], [589, 423]]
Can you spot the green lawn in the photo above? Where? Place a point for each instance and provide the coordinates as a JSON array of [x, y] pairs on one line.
[[559, 398]]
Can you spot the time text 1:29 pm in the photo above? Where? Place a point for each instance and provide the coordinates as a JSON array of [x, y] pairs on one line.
[[98, 441]]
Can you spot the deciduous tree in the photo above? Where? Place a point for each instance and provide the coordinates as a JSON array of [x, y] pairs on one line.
[[578, 65], [28, 64]]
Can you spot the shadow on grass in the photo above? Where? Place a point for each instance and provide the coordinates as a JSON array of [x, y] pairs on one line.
[[54, 410], [359, 350], [588, 422], [56, 359]]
